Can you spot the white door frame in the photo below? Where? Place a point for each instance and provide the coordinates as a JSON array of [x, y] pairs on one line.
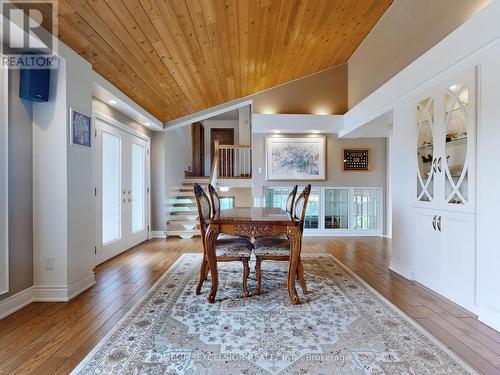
[[97, 171], [4, 185]]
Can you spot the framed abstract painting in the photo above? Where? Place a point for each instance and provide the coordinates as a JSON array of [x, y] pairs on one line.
[[80, 129], [294, 158]]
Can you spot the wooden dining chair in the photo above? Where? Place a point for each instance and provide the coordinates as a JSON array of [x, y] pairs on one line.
[[226, 250], [278, 249], [291, 199], [215, 210]]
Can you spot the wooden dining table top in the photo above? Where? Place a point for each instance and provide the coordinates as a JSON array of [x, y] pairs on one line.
[[264, 215]]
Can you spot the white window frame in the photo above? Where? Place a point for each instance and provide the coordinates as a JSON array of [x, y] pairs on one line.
[[4, 182], [321, 230]]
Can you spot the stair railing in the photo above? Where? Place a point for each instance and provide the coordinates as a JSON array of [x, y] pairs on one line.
[[235, 161], [214, 171]]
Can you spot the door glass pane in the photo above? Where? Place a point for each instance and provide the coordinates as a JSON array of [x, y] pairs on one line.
[[366, 209], [276, 197], [111, 186], [425, 150], [312, 212], [226, 202], [457, 116], [138, 188], [336, 209]]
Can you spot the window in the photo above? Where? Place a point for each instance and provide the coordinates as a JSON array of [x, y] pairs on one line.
[[336, 209], [366, 209], [111, 184], [276, 197], [333, 209], [226, 202]]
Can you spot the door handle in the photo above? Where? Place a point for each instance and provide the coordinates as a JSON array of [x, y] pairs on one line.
[[439, 223], [434, 165], [434, 222], [439, 164]]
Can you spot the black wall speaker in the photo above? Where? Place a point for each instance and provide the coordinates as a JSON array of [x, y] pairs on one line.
[[34, 84]]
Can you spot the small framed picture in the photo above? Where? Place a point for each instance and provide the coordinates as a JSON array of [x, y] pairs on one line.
[[80, 126], [356, 160]]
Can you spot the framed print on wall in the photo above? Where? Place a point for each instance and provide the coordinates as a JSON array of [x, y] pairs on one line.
[[356, 160], [296, 158], [80, 126]]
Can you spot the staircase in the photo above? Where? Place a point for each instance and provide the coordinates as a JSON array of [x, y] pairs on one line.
[[182, 214]]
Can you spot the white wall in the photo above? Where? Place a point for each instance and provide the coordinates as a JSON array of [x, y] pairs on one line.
[[50, 176], [406, 30], [63, 213], [476, 43]]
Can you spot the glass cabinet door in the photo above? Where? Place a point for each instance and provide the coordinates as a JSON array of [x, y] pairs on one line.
[[426, 134], [336, 209], [455, 159]]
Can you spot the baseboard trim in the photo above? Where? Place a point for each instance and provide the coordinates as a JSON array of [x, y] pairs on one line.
[[401, 269], [45, 293], [157, 234], [489, 316], [15, 302]]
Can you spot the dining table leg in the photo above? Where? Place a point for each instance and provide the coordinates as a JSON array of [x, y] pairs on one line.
[[294, 237], [210, 242]]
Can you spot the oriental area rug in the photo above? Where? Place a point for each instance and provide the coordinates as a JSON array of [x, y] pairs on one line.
[[342, 326]]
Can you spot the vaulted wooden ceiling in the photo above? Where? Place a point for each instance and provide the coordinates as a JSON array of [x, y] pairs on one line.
[[176, 57]]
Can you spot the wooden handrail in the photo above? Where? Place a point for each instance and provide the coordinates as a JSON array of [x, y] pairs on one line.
[[215, 165], [232, 147]]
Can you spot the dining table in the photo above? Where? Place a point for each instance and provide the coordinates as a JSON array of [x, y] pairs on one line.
[[253, 222]]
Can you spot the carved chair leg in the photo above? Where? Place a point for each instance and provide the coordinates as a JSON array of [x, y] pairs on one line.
[[300, 275], [203, 274], [258, 273], [246, 272], [207, 270]]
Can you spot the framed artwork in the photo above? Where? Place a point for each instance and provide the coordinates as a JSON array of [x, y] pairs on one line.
[[356, 160], [80, 126], [296, 158]]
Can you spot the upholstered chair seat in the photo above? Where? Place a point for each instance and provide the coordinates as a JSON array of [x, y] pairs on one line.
[[239, 247], [271, 246], [225, 236]]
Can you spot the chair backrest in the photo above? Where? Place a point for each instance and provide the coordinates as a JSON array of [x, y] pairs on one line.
[[214, 200], [301, 206], [291, 200], [203, 204]]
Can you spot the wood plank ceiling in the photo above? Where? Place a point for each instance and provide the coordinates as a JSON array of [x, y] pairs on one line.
[[176, 57]]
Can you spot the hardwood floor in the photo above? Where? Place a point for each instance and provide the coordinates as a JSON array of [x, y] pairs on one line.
[[52, 338]]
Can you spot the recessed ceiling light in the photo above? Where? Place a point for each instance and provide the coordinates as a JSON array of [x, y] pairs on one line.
[[224, 189], [147, 123], [111, 101]]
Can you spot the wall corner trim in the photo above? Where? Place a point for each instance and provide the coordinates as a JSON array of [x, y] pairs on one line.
[[400, 268]]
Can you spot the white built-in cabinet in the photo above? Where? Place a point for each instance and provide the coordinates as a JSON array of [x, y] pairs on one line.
[[445, 256]]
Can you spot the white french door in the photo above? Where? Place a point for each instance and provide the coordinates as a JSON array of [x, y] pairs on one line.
[[122, 192]]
